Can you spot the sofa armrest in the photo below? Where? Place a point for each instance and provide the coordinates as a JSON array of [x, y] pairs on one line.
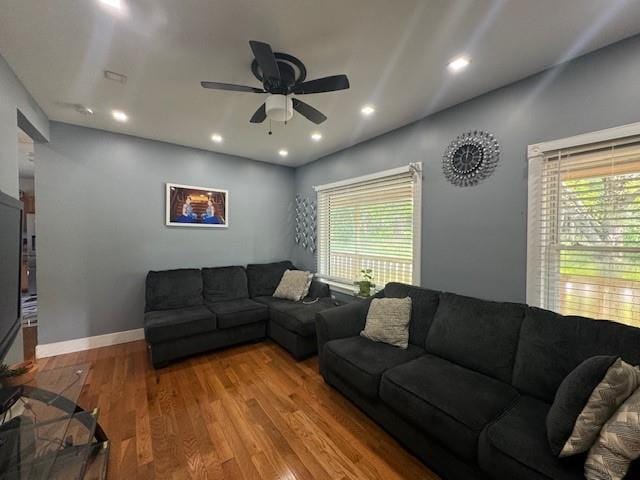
[[340, 322], [318, 289]]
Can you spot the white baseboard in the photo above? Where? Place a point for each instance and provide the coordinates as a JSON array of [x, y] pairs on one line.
[[80, 344]]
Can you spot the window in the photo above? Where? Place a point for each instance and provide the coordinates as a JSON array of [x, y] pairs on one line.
[[371, 222], [584, 228]]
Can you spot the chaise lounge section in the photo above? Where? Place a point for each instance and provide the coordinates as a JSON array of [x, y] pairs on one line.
[[291, 324], [190, 311], [471, 393]]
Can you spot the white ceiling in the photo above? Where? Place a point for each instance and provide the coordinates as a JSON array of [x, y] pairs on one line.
[[394, 52]]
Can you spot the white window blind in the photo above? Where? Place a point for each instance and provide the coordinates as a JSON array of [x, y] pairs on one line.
[[371, 222], [584, 230]]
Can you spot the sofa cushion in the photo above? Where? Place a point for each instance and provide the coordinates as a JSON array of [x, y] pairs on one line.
[[477, 334], [264, 277], [170, 289], [552, 345], [361, 362], [163, 325], [269, 300], [449, 402], [238, 312], [515, 446], [298, 317], [424, 303], [224, 283]]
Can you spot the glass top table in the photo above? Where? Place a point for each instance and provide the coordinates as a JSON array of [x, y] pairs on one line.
[[46, 435]]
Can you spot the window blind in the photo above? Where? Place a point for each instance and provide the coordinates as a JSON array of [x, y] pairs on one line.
[[371, 223], [584, 231]]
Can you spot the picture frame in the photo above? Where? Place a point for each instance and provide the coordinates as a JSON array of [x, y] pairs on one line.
[[194, 206]]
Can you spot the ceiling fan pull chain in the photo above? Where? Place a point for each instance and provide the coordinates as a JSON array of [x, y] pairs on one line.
[[270, 132]]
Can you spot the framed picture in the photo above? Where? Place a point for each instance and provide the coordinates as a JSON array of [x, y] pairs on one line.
[[189, 206]]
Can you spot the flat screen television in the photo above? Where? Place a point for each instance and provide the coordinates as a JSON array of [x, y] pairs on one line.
[[10, 253]]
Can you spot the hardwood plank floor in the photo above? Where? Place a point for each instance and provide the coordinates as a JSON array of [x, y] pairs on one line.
[[248, 412]]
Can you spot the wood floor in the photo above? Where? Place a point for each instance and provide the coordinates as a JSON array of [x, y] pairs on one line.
[[248, 412], [29, 342]]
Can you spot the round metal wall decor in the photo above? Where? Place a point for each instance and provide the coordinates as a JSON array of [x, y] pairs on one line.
[[470, 158]]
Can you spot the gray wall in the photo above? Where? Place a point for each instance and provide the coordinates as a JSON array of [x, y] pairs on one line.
[[474, 239], [14, 97], [100, 202]]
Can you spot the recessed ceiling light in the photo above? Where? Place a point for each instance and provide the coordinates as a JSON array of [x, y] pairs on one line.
[[120, 116], [216, 138], [112, 3], [367, 110], [283, 153], [316, 136], [82, 109], [459, 63], [115, 76]]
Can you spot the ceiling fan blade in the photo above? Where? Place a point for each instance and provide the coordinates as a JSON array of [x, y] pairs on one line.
[[308, 111], [260, 115], [320, 85], [266, 60], [231, 87]]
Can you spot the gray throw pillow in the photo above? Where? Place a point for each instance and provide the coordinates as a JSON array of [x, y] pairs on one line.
[[618, 443], [620, 381], [294, 285], [388, 321], [571, 398]]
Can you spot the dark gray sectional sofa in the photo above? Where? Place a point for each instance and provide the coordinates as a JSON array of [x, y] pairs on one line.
[[470, 395], [191, 311]]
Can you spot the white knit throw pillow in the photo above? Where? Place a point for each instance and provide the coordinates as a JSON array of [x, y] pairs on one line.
[[294, 285], [388, 321]]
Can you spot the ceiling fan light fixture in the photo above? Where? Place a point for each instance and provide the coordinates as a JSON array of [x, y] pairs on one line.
[[279, 108], [282, 75]]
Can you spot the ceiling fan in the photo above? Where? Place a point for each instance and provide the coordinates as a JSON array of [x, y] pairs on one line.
[[282, 75]]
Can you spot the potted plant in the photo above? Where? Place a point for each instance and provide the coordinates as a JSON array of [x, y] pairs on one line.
[[366, 285], [17, 374]]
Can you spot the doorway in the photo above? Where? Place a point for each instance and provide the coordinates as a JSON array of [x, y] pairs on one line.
[[28, 285]]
